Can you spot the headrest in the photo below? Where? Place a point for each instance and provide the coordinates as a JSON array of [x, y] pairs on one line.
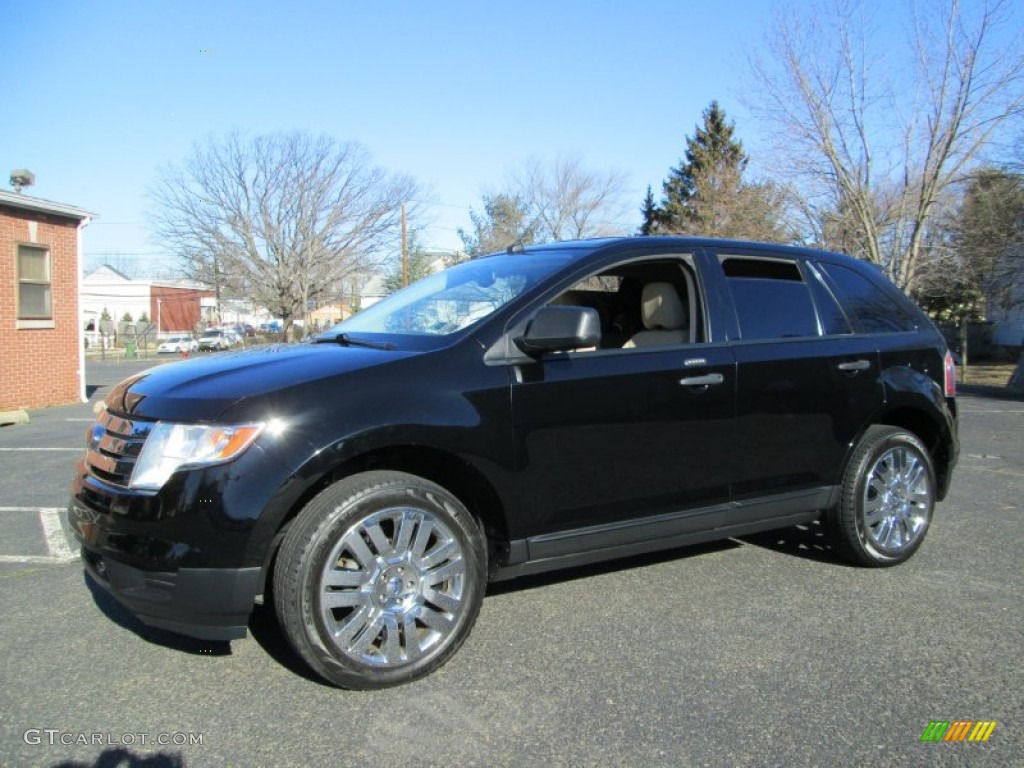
[[661, 307]]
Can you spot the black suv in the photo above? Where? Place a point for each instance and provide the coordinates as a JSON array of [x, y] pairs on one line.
[[525, 411]]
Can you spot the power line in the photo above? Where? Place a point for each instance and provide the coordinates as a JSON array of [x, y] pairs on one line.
[[133, 254]]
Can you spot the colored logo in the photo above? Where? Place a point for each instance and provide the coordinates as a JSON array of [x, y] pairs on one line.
[[958, 730]]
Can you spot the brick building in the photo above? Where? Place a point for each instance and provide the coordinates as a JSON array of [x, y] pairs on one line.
[[41, 344]]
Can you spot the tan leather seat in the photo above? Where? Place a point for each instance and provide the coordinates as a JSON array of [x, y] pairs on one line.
[[663, 315]]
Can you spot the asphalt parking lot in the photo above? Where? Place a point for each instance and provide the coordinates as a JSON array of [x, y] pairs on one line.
[[763, 651]]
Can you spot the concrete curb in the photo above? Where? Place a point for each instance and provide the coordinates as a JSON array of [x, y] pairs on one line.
[[7, 418]]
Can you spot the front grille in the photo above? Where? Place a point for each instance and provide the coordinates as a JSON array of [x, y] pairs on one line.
[[114, 447]]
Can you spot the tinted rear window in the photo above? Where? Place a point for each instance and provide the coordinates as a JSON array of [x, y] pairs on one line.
[[772, 301]]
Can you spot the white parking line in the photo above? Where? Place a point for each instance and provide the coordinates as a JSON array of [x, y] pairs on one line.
[[15, 450], [55, 541], [59, 551], [991, 410]]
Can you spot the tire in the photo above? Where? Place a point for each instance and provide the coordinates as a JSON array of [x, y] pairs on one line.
[[888, 496], [379, 579]]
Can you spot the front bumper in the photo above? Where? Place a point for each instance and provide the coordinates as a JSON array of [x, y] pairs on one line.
[[207, 603]]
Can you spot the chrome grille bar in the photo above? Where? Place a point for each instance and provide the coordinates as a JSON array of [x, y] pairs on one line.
[[115, 446]]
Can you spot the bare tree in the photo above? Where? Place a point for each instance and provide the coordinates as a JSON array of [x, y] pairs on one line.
[[567, 201], [281, 219], [545, 203], [984, 250], [872, 158]]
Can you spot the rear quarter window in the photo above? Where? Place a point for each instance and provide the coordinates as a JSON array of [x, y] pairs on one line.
[[871, 308]]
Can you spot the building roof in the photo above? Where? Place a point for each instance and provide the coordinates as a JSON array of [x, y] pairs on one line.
[[106, 270], [105, 274], [28, 203]]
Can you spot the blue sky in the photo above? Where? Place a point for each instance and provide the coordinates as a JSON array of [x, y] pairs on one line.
[[99, 94]]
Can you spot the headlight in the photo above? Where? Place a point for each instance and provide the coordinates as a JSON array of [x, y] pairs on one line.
[[171, 447]]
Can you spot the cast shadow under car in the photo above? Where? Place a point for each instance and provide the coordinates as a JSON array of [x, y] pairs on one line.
[[564, 575], [808, 541], [126, 758], [121, 616], [262, 625]]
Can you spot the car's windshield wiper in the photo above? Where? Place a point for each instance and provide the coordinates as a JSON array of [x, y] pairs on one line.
[[353, 341]]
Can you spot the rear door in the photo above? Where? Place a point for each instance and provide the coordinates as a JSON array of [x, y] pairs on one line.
[[805, 385]]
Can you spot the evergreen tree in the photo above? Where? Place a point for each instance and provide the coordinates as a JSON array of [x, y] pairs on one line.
[[505, 221], [419, 264], [708, 179], [650, 214], [706, 195]]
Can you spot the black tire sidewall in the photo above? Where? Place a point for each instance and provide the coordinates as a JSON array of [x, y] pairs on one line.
[[876, 443]]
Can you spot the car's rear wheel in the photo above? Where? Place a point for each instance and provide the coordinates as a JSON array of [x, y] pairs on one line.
[[888, 496], [379, 580]]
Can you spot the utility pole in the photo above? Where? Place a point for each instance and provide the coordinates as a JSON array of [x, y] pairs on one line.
[[405, 255], [216, 285]]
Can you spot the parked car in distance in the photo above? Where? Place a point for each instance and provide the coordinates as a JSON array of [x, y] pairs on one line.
[[543, 408], [178, 344], [214, 339]]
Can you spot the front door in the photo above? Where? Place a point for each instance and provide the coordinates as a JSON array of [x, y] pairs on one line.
[[605, 439]]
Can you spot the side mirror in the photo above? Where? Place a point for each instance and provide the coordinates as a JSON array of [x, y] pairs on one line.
[[560, 329]]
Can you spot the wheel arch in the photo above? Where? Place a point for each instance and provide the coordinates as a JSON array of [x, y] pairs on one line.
[[455, 474], [929, 431]]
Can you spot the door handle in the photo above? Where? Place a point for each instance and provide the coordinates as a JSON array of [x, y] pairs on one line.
[[856, 365], [702, 381]]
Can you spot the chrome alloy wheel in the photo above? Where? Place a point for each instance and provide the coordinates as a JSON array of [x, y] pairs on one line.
[[897, 500], [393, 587]]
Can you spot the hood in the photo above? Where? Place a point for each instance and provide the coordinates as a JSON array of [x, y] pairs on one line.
[[201, 389]]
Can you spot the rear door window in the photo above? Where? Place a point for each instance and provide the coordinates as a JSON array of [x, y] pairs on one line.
[[771, 298]]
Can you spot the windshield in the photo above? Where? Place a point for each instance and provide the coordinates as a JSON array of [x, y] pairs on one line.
[[450, 301]]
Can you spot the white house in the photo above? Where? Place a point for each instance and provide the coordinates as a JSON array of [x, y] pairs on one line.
[[171, 305], [1008, 324], [107, 289]]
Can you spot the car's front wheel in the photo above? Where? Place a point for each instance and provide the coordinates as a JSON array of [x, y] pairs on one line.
[[888, 496], [379, 580]]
